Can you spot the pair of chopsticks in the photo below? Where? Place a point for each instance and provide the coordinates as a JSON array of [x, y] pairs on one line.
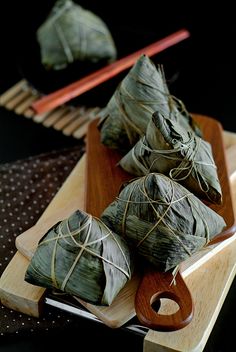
[[92, 80]]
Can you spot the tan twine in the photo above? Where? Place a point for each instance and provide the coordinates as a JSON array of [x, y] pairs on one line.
[[84, 247], [58, 11], [187, 164]]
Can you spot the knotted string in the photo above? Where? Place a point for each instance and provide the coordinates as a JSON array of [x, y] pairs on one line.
[[187, 163]]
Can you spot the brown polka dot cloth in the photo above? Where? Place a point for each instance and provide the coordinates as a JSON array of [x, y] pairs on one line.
[[26, 188]]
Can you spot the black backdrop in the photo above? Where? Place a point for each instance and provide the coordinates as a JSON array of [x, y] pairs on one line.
[[204, 68]]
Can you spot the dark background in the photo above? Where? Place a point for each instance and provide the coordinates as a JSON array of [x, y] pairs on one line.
[[204, 65], [201, 72]]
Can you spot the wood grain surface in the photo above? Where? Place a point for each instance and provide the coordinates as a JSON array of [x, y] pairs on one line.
[[110, 315]]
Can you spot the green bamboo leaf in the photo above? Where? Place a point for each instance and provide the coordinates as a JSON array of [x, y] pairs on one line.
[[142, 92], [170, 149], [71, 33], [162, 220], [83, 257]]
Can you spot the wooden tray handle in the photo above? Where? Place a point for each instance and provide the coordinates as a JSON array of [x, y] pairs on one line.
[[156, 285]]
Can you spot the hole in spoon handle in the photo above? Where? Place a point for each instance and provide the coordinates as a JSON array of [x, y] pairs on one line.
[[156, 285]]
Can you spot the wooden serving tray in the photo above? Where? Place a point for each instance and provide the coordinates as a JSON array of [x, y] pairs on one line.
[[19, 295], [105, 178]]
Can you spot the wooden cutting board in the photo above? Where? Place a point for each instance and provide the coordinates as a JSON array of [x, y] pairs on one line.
[[19, 295]]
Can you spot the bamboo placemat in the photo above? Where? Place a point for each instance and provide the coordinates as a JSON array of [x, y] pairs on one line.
[[70, 120]]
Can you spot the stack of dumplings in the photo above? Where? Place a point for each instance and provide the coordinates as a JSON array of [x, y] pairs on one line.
[[160, 213]]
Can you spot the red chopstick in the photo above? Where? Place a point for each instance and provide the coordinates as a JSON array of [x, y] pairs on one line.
[[92, 80]]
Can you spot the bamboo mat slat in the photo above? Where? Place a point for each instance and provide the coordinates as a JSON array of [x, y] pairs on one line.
[[70, 120]]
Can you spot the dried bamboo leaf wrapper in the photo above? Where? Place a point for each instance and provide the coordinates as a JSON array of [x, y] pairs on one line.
[[71, 33], [170, 149], [142, 92], [162, 220], [83, 257]]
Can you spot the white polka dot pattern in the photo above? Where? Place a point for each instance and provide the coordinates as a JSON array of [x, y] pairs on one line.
[[26, 188]]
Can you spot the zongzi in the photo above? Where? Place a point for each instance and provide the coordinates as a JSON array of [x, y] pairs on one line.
[[71, 33], [178, 153], [142, 92], [162, 220], [83, 257]]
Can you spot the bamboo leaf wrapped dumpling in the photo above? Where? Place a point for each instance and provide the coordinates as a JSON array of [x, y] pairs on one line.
[[162, 220], [83, 257], [170, 149], [71, 33], [142, 92]]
